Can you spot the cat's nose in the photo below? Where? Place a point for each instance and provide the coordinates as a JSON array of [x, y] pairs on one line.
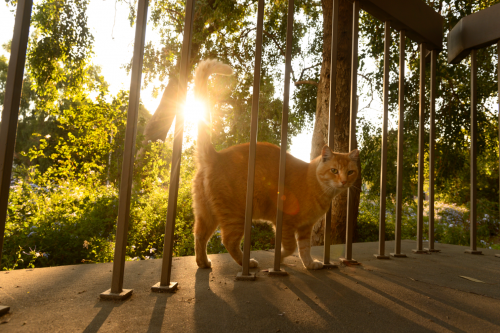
[[344, 182]]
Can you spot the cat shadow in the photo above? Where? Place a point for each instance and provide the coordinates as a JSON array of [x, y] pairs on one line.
[[204, 299], [236, 302]]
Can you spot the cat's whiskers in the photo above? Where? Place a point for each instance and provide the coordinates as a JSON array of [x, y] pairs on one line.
[[357, 188], [327, 190]]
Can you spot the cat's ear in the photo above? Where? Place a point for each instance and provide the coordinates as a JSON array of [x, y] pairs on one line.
[[354, 155], [326, 153]]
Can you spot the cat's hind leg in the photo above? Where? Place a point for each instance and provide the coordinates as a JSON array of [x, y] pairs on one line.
[[232, 233], [203, 230], [204, 225], [304, 243]]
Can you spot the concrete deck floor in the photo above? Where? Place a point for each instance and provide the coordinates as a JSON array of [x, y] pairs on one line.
[[416, 294]]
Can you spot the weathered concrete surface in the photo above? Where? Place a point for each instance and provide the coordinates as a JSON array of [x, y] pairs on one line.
[[415, 294]]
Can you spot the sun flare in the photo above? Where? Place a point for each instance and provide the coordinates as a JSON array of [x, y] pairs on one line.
[[194, 111]]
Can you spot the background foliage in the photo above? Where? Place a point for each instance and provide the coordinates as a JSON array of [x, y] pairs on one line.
[[64, 192]]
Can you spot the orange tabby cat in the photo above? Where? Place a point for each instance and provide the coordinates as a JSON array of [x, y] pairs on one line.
[[219, 188]]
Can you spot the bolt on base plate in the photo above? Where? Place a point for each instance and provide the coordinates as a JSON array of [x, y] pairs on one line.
[[378, 256], [157, 288], [281, 272], [109, 296], [431, 250], [419, 251], [473, 252], [249, 277], [398, 255], [330, 266], [4, 309]]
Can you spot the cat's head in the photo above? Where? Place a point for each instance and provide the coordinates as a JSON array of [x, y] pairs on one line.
[[337, 170]]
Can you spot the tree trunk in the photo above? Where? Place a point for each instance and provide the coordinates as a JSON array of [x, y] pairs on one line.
[[342, 113], [159, 124]]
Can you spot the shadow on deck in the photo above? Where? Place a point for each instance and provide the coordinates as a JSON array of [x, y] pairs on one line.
[[415, 294]]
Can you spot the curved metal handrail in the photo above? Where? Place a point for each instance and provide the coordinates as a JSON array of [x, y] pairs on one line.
[[475, 31], [421, 22]]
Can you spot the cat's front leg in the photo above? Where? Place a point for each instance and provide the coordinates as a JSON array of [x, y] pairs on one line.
[[304, 243]]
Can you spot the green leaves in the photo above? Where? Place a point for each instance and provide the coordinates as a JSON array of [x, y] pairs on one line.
[[452, 111], [226, 30], [59, 50]]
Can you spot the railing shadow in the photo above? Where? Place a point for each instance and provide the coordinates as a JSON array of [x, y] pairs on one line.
[[332, 299], [103, 314], [457, 306], [405, 305], [158, 314]]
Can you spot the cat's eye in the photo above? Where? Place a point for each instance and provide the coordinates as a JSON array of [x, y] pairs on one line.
[[335, 171], [350, 172]]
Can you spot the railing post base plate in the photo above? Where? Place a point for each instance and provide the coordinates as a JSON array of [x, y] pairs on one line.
[[281, 272], [348, 261], [497, 255], [157, 288], [419, 251], [249, 277], [109, 296], [431, 250], [473, 252], [330, 266], [4, 309], [398, 255], [378, 256]]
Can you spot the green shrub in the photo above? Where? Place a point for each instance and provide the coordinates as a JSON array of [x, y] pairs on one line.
[[451, 222], [74, 221], [59, 225]]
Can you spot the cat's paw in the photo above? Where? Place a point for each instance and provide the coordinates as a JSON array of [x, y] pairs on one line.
[[204, 264], [253, 263], [315, 265]]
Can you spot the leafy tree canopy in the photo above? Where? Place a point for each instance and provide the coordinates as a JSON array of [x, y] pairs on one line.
[[452, 111]]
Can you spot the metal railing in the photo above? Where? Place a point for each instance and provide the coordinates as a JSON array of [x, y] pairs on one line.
[[412, 18], [10, 112], [473, 32]]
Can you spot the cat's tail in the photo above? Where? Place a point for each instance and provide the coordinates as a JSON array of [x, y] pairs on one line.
[[203, 71]]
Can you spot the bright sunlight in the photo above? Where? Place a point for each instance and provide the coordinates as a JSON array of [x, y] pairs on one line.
[[194, 111]]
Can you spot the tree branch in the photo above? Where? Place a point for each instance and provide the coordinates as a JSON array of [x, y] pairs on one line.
[[280, 48], [302, 73], [314, 83], [371, 89]]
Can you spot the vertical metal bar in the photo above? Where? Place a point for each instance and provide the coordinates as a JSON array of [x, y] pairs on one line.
[[128, 153], [432, 142], [165, 283], [498, 82], [284, 141], [421, 137], [11, 102], [473, 153], [331, 122], [399, 185], [383, 167], [352, 127], [253, 143]]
